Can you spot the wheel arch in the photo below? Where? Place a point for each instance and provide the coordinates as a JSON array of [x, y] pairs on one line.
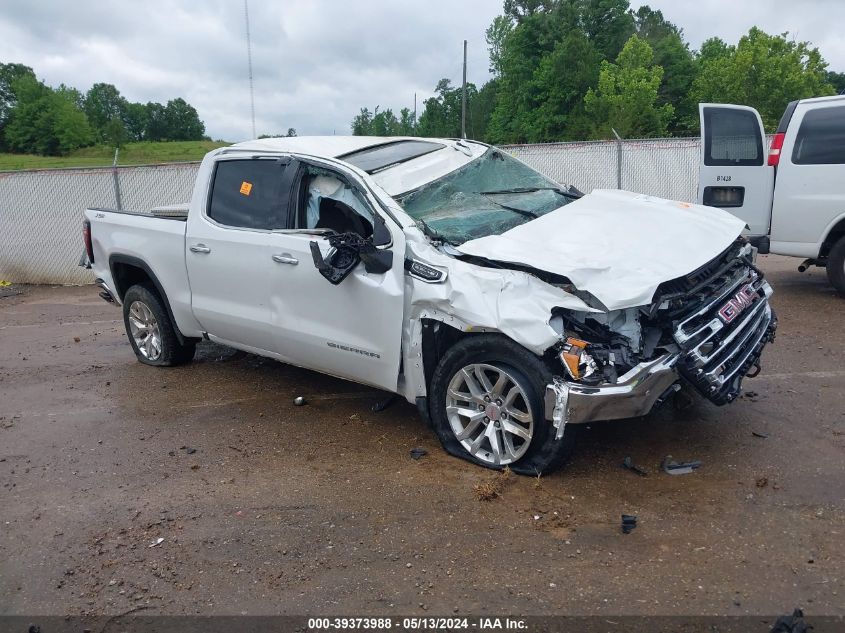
[[834, 234], [127, 270], [437, 338]]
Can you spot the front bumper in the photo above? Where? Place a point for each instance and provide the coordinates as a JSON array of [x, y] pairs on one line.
[[714, 358], [635, 394]]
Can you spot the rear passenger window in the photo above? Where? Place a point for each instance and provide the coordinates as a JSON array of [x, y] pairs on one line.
[[732, 137], [246, 193], [821, 138]]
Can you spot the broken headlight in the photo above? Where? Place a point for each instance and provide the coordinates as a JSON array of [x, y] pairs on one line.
[[576, 360], [589, 363]]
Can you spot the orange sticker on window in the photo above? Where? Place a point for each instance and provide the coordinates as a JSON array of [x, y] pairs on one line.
[[246, 188]]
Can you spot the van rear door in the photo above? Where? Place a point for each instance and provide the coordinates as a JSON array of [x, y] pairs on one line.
[[733, 174]]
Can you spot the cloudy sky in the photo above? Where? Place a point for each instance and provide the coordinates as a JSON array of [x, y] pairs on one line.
[[316, 62]]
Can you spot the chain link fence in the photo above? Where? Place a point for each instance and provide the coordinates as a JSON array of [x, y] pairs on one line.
[[41, 211], [664, 167]]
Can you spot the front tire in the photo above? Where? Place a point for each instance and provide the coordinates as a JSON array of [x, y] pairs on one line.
[[486, 405], [836, 266], [151, 332]]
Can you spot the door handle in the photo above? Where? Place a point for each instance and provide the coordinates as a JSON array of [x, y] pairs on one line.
[[200, 248], [285, 258]]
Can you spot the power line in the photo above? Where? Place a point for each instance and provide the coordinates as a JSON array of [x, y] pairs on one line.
[[249, 63]]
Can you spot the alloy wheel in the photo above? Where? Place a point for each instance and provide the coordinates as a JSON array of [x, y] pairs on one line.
[[490, 413], [145, 331]]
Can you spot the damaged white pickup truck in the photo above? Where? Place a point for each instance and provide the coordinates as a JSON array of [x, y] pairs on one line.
[[506, 307]]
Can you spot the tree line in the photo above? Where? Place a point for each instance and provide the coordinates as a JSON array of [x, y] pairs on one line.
[[579, 69], [38, 119]]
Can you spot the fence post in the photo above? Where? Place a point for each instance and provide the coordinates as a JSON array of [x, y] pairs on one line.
[[618, 158], [116, 181]]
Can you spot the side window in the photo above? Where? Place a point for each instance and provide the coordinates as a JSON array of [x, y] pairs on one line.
[[821, 138], [246, 193], [329, 202], [732, 137]]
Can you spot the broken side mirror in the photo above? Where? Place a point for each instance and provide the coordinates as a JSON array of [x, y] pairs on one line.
[[349, 249], [340, 262]]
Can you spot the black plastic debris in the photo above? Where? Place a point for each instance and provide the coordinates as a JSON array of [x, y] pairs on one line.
[[629, 464], [381, 405], [759, 434], [791, 623], [416, 453], [629, 522], [679, 468]]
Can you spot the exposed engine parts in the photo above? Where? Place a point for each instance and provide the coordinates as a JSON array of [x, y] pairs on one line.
[[715, 320]]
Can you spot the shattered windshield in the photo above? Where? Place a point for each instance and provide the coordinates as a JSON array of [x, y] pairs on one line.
[[488, 196]]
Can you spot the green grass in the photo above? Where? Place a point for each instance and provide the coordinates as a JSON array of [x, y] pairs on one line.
[[100, 155]]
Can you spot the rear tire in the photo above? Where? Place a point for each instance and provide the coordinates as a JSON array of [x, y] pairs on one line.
[[486, 406], [836, 266], [150, 330]]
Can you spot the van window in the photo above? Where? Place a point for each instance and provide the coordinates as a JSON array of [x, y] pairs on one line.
[[732, 137], [821, 138], [246, 193]]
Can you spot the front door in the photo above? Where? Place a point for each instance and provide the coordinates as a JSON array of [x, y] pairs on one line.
[[733, 174], [352, 329]]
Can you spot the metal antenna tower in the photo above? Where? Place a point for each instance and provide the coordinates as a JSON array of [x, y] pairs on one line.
[[249, 64]]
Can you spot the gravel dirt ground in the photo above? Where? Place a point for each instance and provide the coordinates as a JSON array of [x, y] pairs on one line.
[[202, 489]]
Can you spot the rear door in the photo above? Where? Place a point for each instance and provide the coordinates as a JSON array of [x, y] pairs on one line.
[[733, 174], [228, 251]]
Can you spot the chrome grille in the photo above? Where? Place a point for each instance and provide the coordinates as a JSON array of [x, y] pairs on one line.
[[717, 354]]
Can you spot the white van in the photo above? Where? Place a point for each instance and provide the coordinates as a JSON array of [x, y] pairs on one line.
[[794, 201]]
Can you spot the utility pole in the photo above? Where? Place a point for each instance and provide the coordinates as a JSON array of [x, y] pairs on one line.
[[249, 64], [464, 97], [415, 113]]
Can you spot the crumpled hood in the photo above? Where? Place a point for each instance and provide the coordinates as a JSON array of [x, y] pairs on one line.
[[617, 245]]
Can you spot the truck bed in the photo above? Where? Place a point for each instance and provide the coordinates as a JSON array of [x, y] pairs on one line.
[[156, 242]]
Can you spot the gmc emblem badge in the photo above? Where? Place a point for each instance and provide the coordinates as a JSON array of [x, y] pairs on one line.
[[736, 304]]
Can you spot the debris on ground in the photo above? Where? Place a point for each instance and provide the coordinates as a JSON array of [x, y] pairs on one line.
[[629, 464], [492, 489], [762, 482], [418, 452], [679, 468], [759, 434], [299, 401], [381, 405], [791, 623], [629, 522], [157, 542], [7, 289]]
